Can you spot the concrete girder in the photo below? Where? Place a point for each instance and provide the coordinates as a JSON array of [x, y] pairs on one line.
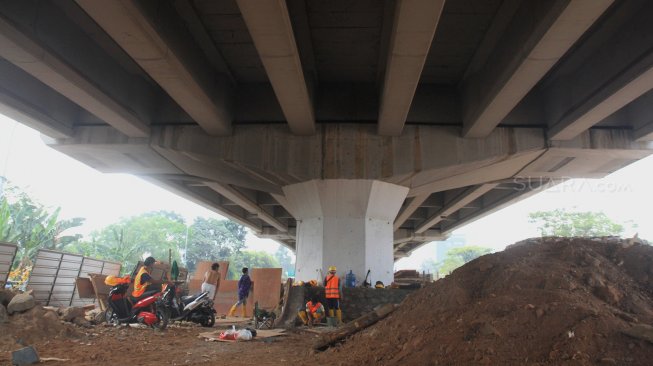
[[349, 151], [193, 194], [174, 63], [403, 236], [270, 27], [621, 51], [54, 72], [21, 110], [413, 29], [252, 207], [409, 210], [459, 202], [493, 205], [188, 13], [529, 48]]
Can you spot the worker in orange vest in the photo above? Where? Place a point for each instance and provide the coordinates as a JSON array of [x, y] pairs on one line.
[[313, 313], [333, 293], [143, 283]]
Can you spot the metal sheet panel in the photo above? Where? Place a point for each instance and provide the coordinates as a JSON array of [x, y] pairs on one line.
[[7, 255], [54, 275]]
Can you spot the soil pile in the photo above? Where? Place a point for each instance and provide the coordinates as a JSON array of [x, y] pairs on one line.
[[549, 301], [34, 325]]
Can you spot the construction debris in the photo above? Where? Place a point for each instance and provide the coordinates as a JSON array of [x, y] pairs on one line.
[[541, 301], [410, 279], [327, 339]]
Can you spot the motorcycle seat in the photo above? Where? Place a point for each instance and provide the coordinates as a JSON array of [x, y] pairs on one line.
[[189, 299]]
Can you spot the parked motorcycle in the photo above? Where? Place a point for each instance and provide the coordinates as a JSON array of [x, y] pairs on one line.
[[123, 309], [196, 308]]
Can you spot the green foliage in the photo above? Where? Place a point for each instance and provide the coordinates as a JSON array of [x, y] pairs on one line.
[[284, 258], [564, 223], [455, 258], [32, 226], [132, 238], [250, 259], [211, 239]]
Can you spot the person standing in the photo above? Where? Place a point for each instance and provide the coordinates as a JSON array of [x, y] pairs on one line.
[[333, 293], [211, 282], [244, 286]]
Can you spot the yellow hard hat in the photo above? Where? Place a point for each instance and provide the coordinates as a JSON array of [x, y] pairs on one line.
[[332, 269]]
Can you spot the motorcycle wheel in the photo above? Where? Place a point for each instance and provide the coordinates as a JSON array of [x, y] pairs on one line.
[[163, 315], [208, 320], [111, 317]]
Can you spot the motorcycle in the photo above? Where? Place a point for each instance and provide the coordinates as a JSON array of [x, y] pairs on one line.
[[123, 309], [197, 308]]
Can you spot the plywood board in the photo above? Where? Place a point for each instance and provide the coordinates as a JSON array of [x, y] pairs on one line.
[[267, 287], [195, 284], [227, 296], [85, 288]]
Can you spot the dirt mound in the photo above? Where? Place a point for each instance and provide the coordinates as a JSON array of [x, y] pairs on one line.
[[34, 325], [548, 301]]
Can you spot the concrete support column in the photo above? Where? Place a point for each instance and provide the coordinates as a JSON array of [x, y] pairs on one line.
[[347, 224]]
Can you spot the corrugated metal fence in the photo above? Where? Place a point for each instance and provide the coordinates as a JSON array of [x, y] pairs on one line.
[[54, 273], [7, 255]]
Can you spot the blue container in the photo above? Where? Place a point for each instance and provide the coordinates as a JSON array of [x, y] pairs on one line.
[[350, 279]]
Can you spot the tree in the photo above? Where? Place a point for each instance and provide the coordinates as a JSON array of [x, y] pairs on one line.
[[132, 238], [31, 226], [285, 260], [211, 239], [250, 259], [457, 257], [564, 223]]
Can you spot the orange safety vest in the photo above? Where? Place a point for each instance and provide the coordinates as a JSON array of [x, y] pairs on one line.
[[313, 308], [332, 286], [139, 288]]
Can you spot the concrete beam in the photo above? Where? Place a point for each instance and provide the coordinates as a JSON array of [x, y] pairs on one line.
[[192, 194], [623, 93], [408, 211], [621, 52], [247, 204], [30, 115], [52, 71], [195, 26], [403, 236], [459, 202], [169, 58], [529, 48], [414, 26], [269, 25]]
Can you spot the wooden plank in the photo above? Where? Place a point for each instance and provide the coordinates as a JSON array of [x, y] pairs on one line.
[[227, 296], [85, 288], [267, 287]]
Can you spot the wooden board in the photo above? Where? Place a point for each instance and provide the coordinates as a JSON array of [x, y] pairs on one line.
[[195, 284], [267, 287], [227, 296]]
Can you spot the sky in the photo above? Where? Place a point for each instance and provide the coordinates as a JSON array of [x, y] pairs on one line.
[[57, 180]]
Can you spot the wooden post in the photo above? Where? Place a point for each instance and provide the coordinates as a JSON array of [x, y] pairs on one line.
[[354, 326]]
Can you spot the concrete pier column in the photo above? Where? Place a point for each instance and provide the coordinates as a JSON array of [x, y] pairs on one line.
[[347, 224]]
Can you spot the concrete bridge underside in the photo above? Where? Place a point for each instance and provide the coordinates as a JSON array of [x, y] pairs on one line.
[[350, 131]]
